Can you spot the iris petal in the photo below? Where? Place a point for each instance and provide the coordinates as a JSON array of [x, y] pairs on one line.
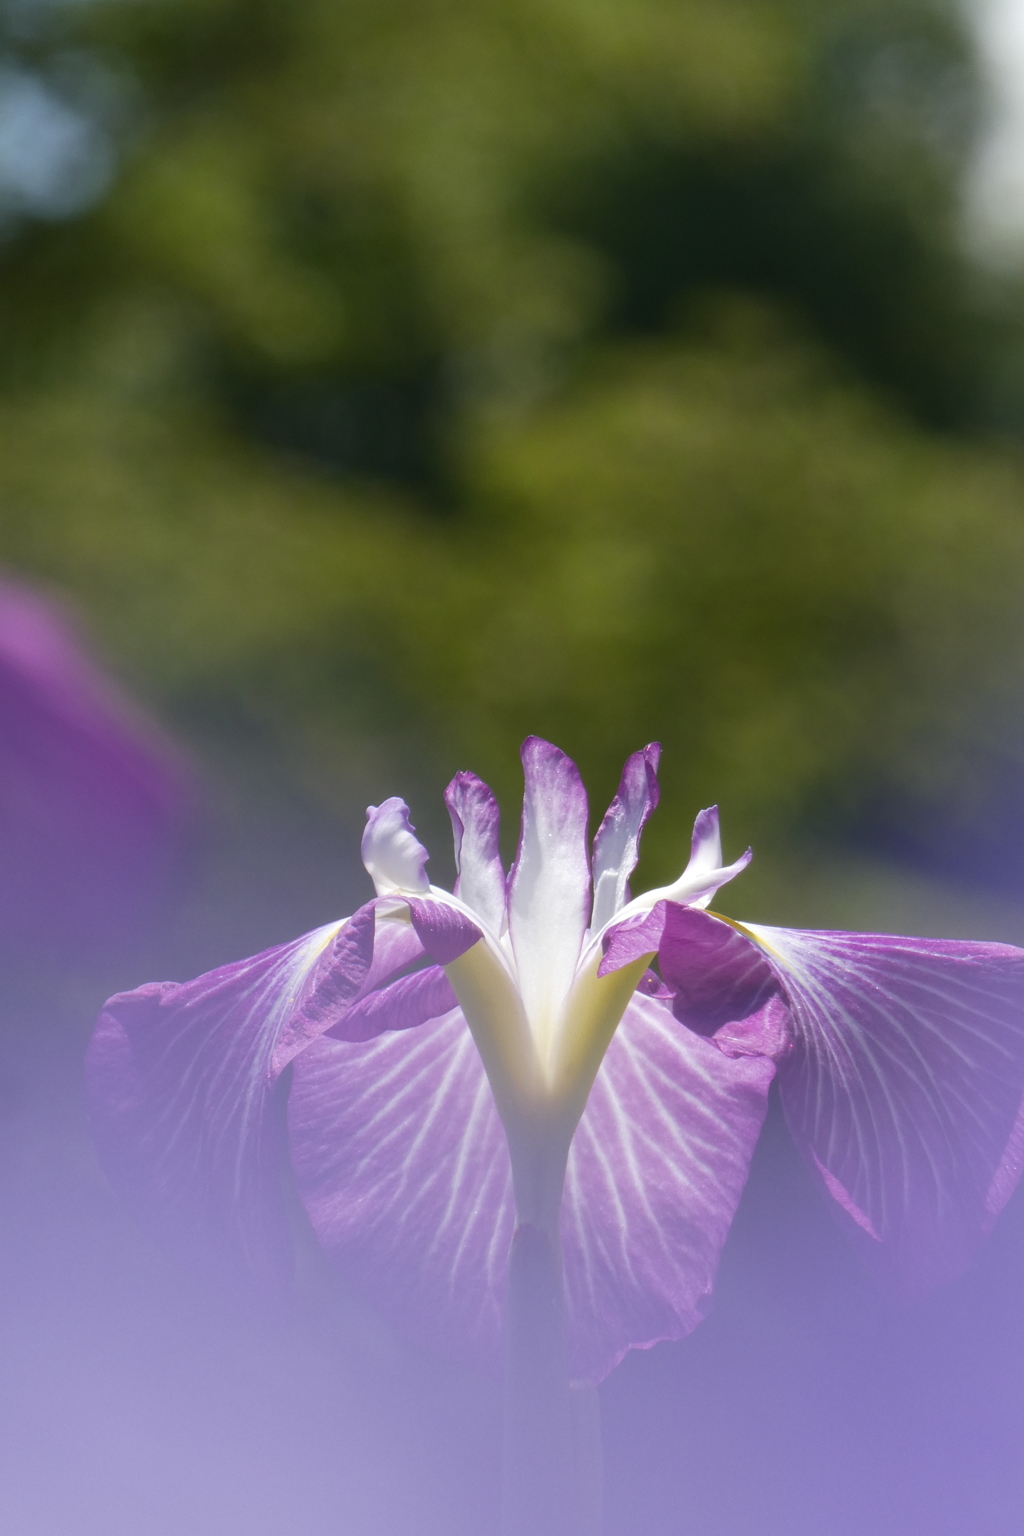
[[656, 1170], [183, 1105], [181, 1078], [475, 822], [95, 808], [549, 888], [403, 1167], [617, 844], [904, 1088]]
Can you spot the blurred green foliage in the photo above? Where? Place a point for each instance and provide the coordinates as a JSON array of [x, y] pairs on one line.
[[431, 373]]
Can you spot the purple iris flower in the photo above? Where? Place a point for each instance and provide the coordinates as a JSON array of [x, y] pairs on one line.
[[94, 804], [442, 1072]]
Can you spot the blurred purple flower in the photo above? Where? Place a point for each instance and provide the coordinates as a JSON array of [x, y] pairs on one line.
[[93, 802], [460, 1065]]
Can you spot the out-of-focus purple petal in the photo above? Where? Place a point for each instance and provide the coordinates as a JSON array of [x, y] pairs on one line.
[[444, 931], [180, 1080], [549, 888], [402, 1164], [94, 804], [395, 860], [617, 844], [905, 1086], [655, 1173], [475, 823]]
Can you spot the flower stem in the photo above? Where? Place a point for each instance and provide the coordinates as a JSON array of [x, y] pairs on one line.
[[550, 1437]]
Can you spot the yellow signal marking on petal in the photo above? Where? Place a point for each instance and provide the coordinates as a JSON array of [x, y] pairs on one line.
[[494, 1012], [748, 934], [593, 1009]]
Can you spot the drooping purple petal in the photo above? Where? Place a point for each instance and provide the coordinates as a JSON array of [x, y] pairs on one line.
[[656, 1169], [617, 844], [180, 1082], [181, 1077], [549, 888], [394, 859], [94, 804], [402, 1164], [905, 1086], [475, 822]]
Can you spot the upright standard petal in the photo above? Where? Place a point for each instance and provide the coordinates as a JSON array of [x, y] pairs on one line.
[[402, 1164], [617, 844], [549, 888], [904, 1088], [480, 879]]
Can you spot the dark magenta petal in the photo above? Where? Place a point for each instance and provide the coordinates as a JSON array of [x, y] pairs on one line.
[[94, 804], [475, 824], [402, 1164], [444, 931], [637, 936], [617, 844], [905, 1086], [549, 887], [720, 982]]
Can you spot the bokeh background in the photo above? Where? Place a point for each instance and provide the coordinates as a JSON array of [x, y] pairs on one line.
[[380, 382]]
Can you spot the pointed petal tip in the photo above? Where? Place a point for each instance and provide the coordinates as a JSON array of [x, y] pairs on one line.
[[476, 819], [617, 842]]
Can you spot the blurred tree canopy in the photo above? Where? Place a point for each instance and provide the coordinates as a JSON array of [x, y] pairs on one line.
[[387, 381]]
